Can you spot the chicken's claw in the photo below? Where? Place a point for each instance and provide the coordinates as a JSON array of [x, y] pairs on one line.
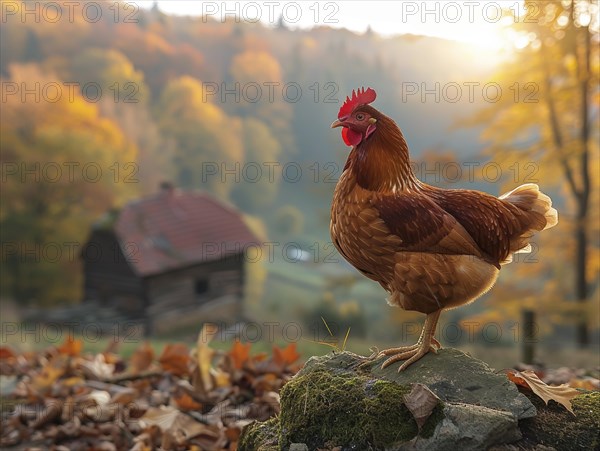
[[374, 353], [413, 353], [426, 343], [401, 350], [367, 360]]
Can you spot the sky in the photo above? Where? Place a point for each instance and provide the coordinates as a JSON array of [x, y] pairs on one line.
[[476, 22]]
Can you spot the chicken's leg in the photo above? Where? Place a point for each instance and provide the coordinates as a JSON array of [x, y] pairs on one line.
[[425, 344]]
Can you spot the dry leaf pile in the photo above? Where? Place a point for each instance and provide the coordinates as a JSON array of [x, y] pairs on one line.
[[198, 399]]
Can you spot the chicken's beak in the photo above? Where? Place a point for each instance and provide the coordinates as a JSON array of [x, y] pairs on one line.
[[337, 123]]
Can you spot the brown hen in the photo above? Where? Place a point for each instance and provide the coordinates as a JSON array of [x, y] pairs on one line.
[[430, 248]]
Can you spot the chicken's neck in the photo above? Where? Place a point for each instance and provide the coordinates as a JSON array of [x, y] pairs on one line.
[[381, 162]]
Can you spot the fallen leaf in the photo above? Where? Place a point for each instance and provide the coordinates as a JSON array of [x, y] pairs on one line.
[[71, 347], [202, 381], [185, 402], [239, 354], [266, 382], [125, 396], [51, 371], [73, 381], [562, 394], [100, 397], [234, 431], [420, 402], [285, 356], [512, 376], [6, 353], [175, 359], [101, 413], [142, 358], [221, 378], [52, 410], [98, 367], [180, 425], [260, 357]]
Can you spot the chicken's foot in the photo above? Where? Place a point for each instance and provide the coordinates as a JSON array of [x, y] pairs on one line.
[[426, 343]]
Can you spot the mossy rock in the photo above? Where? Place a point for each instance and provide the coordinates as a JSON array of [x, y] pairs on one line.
[[343, 400], [260, 436], [322, 408], [451, 374]]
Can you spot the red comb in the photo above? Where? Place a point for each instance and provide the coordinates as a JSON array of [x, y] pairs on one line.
[[358, 98]]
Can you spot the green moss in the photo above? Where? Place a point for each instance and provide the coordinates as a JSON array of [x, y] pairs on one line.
[[260, 436], [351, 411], [555, 426]]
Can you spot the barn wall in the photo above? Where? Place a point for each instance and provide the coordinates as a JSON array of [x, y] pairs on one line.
[[211, 291], [109, 279]]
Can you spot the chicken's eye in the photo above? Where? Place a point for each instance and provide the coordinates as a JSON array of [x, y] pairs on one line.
[[360, 116]]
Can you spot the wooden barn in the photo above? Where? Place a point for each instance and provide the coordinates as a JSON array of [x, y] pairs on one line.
[[168, 259]]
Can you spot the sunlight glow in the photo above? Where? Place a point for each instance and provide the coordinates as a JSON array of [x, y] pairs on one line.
[[476, 22]]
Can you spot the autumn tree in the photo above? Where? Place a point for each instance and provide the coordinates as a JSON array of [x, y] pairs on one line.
[[113, 71], [126, 100], [207, 141], [548, 119], [148, 50], [63, 165], [260, 79]]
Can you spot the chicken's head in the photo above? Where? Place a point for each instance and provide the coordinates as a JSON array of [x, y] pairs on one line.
[[357, 120]]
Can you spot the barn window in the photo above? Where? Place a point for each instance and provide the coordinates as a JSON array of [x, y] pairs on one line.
[[201, 286]]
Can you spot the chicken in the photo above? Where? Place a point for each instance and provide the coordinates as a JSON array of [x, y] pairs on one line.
[[431, 249]]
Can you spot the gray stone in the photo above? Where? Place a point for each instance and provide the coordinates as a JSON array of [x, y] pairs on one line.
[[468, 427], [451, 374]]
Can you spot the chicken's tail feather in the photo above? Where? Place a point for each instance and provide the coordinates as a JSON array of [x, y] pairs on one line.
[[541, 215], [528, 197]]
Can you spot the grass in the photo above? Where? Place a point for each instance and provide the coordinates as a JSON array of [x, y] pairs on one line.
[[498, 357]]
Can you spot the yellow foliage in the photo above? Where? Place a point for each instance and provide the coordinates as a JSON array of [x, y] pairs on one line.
[[257, 67], [64, 158]]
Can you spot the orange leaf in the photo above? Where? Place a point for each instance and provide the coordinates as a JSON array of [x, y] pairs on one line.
[[142, 358], [285, 356], [260, 357], [71, 347], [267, 382], [512, 376], [239, 354], [562, 394], [6, 353], [185, 402], [175, 358]]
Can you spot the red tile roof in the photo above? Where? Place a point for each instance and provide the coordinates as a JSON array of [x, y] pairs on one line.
[[175, 229]]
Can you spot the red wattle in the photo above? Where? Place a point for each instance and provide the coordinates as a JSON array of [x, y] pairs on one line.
[[345, 136], [350, 137]]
